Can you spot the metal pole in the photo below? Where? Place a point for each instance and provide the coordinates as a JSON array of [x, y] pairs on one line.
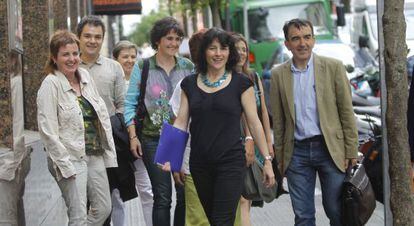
[[245, 20], [385, 160]]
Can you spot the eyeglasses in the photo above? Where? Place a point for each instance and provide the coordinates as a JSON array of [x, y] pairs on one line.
[[172, 38]]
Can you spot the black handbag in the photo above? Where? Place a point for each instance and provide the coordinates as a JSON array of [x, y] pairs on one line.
[[358, 198], [141, 111]]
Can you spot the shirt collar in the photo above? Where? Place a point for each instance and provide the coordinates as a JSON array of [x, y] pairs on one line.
[[98, 61], [178, 62], [65, 83], [293, 68]]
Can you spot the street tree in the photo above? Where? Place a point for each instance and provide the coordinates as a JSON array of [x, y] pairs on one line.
[[394, 30], [141, 34], [215, 6]]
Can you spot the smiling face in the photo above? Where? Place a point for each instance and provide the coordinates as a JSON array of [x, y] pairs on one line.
[[242, 50], [169, 44], [300, 42], [67, 60], [91, 40], [217, 56], [127, 59]]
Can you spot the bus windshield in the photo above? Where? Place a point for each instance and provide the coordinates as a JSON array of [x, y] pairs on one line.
[[267, 23]]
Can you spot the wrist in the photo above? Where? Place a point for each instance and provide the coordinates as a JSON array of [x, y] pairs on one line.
[[268, 157], [248, 138], [133, 137]]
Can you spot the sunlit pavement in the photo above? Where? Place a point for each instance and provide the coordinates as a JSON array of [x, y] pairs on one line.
[[44, 204]]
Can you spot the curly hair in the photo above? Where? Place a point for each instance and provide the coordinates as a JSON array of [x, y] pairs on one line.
[[225, 39], [162, 27]]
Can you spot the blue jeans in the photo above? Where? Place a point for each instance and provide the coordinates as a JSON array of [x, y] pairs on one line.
[[162, 188], [308, 159]]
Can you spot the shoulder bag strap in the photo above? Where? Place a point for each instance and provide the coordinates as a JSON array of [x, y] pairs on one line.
[[143, 84], [259, 110]]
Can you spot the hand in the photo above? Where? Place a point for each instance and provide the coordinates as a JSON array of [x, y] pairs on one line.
[[165, 167], [135, 147], [179, 178], [249, 148], [353, 161], [268, 175]]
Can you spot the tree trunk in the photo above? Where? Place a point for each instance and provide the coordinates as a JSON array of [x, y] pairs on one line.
[[169, 5], [395, 57], [193, 13], [215, 11], [185, 21]]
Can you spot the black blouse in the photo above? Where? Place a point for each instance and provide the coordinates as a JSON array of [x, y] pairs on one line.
[[215, 120]]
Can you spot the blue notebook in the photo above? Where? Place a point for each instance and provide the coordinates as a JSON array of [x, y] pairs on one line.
[[171, 147]]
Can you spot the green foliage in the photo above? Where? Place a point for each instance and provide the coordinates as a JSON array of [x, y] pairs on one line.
[[141, 34]]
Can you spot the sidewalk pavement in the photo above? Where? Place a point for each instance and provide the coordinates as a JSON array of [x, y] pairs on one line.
[[44, 205]]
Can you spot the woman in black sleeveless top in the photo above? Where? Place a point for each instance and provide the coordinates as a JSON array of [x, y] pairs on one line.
[[215, 98]]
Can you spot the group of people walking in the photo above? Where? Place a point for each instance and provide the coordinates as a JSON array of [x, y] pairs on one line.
[[218, 99]]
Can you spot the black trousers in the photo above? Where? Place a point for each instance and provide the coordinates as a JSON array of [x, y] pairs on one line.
[[219, 187]]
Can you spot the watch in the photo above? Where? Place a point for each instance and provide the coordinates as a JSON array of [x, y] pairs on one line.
[[268, 157]]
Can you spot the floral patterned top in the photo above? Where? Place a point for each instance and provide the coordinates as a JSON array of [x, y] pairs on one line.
[[160, 87]]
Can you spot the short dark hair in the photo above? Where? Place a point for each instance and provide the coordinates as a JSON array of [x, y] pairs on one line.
[[225, 39], [91, 20], [162, 27], [121, 45], [298, 23]]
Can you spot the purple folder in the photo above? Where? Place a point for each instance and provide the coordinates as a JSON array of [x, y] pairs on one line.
[[171, 147]]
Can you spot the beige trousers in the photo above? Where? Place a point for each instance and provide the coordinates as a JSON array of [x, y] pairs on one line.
[[90, 184]]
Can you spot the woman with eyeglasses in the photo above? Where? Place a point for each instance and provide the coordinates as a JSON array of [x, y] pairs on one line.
[[165, 71]]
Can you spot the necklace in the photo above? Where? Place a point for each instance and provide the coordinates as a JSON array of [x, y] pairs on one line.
[[213, 84]]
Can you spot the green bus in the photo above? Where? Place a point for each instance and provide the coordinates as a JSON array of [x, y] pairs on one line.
[[265, 19]]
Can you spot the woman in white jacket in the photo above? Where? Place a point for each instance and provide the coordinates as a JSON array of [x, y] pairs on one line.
[[76, 131]]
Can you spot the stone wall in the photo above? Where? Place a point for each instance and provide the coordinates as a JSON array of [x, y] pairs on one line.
[[35, 44], [5, 98], [60, 14]]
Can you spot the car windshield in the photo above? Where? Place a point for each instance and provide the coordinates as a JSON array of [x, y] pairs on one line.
[[267, 23], [409, 20]]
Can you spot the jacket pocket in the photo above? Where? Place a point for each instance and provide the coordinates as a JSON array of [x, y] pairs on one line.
[[67, 111]]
